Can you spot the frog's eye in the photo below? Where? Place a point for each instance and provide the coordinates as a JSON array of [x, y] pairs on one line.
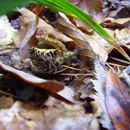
[[31, 50]]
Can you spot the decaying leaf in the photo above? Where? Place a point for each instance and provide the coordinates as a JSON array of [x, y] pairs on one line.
[[117, 8], [117, 102], [116, 23], [52, 86], [93, 7], [84, 41], [66, 108], [43, 28], [99, 86], [26, 32], [119, 28], [7, 33], [55, 116]]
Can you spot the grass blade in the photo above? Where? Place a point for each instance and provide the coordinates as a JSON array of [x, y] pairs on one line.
[[8, 5]]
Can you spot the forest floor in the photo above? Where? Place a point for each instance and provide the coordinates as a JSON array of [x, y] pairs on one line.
[[56, 73]]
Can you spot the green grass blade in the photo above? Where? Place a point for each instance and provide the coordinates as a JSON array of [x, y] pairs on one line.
[[8, 5]]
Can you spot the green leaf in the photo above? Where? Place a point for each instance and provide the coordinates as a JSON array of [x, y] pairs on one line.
[[8, 5], [70, 9]]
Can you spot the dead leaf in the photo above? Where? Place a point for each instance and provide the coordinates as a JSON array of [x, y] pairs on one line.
[[52, 86], [99, 85], [7, 33], [117, 101], [114, 25], [43, 28], [93, 7], [26, 32], [84, 41], [56, 116], [117, 8]]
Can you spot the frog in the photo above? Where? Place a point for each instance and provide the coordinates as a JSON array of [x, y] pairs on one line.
[[53, 57], [51, 61]]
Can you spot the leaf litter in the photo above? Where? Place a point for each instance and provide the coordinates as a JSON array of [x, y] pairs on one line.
[[80, 95]]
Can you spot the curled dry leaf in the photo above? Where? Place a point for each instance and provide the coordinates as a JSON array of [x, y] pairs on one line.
[[84, 41], [26, 32], [115, 24], [117, 102], [43, 28], [119, 28], [118, 20], [52, 86]]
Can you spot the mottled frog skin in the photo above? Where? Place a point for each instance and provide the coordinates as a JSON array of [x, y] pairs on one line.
[[50, 61]]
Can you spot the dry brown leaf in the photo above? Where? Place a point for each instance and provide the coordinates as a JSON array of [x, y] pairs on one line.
[[118, 20], [43, 28], [115, 25], [52, 86], [84, 41], [117, 102], [118, 28]]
